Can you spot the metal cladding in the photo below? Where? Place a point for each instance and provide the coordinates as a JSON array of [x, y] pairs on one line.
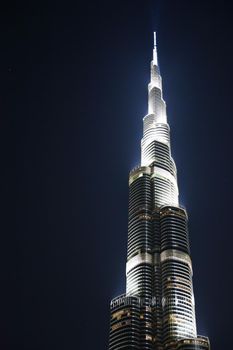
[[158, 309]]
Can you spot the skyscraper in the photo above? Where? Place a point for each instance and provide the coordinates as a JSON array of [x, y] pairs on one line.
[[158, 309]]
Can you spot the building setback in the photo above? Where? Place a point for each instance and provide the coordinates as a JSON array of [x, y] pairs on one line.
[[158, 309]]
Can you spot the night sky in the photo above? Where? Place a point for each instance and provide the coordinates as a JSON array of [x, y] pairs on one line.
[[73, 92]]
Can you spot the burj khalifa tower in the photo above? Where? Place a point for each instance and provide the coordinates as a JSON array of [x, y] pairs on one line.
[[158, 309]]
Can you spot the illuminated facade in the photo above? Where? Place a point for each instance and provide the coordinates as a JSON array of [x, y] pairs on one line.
[[158, 309]]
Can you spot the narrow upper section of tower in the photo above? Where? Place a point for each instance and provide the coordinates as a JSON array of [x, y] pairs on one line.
[[155, 55]]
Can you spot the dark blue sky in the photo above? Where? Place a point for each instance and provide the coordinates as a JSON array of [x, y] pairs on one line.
[[73, 92]]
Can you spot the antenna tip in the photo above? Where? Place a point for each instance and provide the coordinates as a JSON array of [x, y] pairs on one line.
[[154, 39]]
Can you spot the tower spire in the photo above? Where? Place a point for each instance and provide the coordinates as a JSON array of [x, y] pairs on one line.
[[155, 55], [158, 310]]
